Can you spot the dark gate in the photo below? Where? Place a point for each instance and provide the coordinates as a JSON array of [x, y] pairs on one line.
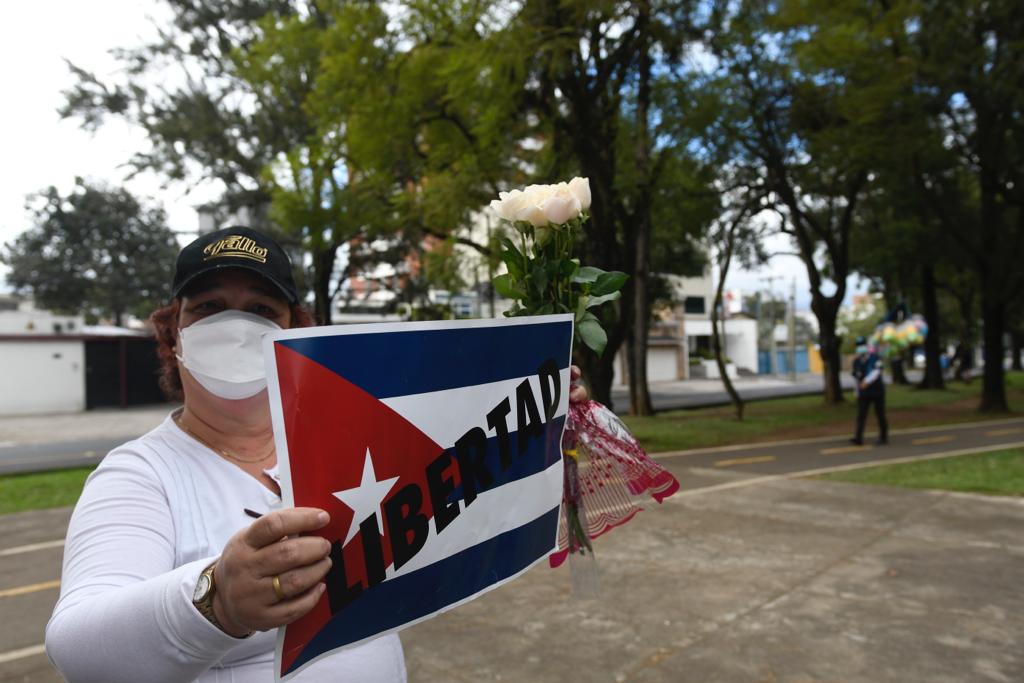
[[121, 372]]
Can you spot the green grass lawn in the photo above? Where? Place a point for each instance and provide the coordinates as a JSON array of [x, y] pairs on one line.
[[807, 416], [19, 492], [998, 472]]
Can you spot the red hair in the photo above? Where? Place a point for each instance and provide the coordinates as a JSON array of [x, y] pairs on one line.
[[165, 324]]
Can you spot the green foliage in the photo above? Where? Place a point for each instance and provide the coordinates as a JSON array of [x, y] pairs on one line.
[[544, 278], [96, 250], [804, 416], [998, 473]]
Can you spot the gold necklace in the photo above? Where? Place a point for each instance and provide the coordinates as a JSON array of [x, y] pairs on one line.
[[221, 451]]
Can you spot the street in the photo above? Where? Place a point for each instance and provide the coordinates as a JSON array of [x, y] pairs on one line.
[[746, 574], [40, 443]]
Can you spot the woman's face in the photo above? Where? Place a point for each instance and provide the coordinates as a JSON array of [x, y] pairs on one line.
[[234, 289], [222, 290]]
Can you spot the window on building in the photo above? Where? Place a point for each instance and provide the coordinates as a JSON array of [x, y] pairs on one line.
[[694, 304], [462, 309]]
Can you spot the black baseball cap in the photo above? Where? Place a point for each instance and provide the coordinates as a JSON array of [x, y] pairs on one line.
[[235, 247], [861, 341]]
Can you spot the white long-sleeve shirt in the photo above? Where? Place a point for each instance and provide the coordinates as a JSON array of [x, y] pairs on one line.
[[154, 514]]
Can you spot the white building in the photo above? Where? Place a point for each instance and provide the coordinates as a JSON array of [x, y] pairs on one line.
[[679, 345], [54, 363]]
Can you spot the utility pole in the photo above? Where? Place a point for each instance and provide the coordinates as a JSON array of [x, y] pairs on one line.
[[791, 325], [773, 361]]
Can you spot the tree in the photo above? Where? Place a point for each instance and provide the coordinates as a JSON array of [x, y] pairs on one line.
[[485, 96], [734, 236], [970, 53], [96, 250], [785, 121], [236, 107], [609, 85]]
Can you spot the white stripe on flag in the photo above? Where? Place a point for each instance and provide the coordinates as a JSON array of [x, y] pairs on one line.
[[467, 407], [493, 512]]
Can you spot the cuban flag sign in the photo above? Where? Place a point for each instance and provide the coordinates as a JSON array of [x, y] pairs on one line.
[[436, 449]]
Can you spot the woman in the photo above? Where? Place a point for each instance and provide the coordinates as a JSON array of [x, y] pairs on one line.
[[179, 560], [167, 575]]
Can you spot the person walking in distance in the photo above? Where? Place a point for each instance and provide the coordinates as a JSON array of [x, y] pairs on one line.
[[867, 372]]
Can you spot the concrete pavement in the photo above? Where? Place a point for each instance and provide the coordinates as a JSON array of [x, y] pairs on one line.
[[697, 393], [781, 581]]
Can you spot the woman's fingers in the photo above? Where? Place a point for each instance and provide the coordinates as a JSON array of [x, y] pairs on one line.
[[288, 554], [287, 611], [577, 392], [297, 581], [274, 526]]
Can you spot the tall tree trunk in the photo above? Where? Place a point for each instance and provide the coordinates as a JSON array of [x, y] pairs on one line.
[[993, 388], [932, 342], [716, 338], [323, 269], [639, 393], [826, 311]]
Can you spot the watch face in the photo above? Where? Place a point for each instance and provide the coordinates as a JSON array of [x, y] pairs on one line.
[[202, 587]]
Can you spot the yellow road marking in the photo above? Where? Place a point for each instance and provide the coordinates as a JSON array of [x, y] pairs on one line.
[[933, 439], [1004, 432], [22, 653], [744, 461], [844, 449], [45, 545], [31, 588]]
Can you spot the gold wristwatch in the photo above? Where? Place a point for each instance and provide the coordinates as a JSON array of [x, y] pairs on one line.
[[202, 596]]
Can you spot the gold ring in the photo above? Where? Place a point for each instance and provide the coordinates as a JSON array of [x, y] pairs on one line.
[[277, 587]]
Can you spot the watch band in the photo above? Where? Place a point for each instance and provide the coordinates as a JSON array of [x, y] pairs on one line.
[[204, 602]]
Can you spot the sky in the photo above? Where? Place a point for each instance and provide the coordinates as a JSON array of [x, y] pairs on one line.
[[40, 150]]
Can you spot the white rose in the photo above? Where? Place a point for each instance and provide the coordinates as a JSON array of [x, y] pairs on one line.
[[580, 188], [541, 205], [561, 207], [527, 205], [509, 204]]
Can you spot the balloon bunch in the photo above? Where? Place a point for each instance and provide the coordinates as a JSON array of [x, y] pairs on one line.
[[892, 339]]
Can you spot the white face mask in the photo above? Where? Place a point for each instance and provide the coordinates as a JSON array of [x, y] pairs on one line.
[[224, 352]]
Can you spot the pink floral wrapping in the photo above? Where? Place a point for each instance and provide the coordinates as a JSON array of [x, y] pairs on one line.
[[606, 473]]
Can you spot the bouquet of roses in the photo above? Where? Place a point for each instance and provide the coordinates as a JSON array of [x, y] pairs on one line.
[[606, 470]]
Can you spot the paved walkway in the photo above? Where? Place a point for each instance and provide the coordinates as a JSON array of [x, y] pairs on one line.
[[131, 422], [781, 580]]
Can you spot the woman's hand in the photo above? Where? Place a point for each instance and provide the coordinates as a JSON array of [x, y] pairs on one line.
[[577, 392], [246, 599]]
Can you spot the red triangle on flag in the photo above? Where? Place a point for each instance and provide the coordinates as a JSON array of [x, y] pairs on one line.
[[329, 425]]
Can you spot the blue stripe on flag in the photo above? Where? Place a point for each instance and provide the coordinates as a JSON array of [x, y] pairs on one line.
[[439, 359], [412, 596]]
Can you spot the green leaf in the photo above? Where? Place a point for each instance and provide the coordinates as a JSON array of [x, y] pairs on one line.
[[598, 300], [546, 309], [592, 334], [503, 285], [569, 267], [539, 279], [581, 307], [588, 274], [512, 258], [609, 282]]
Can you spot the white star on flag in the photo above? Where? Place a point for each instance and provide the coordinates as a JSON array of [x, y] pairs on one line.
[[365, 499]]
